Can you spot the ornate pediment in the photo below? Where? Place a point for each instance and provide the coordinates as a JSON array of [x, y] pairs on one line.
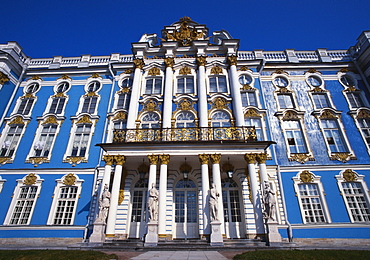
[[185, 34]]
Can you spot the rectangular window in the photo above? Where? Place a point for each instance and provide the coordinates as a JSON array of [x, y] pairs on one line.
[[249, 99], [153, 86], [57, 105], [355, 99], [179, 206], [257, 123], [25, 106], [89, 105], [357, 206], [65, 208], [333, 135], [138, 206], [365, 129], [185, 85], [43, 146], [11, 140], [123, 101], [312, 210], [294, 137], [23, 206], [285, 101], [217, 84], [81, 140], [320, 100]]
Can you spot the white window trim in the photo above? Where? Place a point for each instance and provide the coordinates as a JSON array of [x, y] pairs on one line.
[[282, 76], [6, 131], [360, 179], [308, 75], [185, 76], [360, 129], [224, 73], [315, 180], [82, 98], [349, 74], [248, 74], [51, 98], [19, 101], [263, 124], [362, 96], [56, 195], [17, 190], [2, 181], [303, 132], [177, 75]]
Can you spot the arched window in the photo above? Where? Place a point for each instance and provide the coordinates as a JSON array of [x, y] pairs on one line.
[[150, 120], [28, 99], [185, 119], [59, 100], [221, 119]]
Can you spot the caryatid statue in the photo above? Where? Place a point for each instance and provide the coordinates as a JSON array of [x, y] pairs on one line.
[[213, 202], [153, 203], [104, 204], [269, 202]]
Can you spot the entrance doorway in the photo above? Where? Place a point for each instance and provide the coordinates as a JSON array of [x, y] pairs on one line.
[[138, 212]]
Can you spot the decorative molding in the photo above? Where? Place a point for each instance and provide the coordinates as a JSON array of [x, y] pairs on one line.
[[50, 120], [201, 61], [250, 158], [342, 157], [95, 76], [318, 90], [327, 114], [74, 160], [119, 159], [65, 77], [139, 63], [349, 175], [290, 115], [121, 196], [150, 106], [185, 71], [37, 160], [4, 160], [232, 60], [69, 179], [154, 71], [313, 71], [153, 159], [127, 71], [30, 179], [120, 116], [84, 120], [185, 35], [216, 70], [306, 176], [35, 77], [169, 62], [17, 121], [261, 157], [301, 157], [220, 103], [363, 114], [108, 159], [215, 158], [251, 112], [203, 158], [280, 71]]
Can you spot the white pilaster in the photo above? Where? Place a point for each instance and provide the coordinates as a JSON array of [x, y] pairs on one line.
[[205, 193], [261, 159], [202, 93], [164, 159], [135, 95], [111, 221], [167, 100], [107, 172], [235, 92], [215, 159]]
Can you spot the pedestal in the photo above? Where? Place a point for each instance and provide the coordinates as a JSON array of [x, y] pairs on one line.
[[216, 234], [98, 235], [273, 235], [151, 238]]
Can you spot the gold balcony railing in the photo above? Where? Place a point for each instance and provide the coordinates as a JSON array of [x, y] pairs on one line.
[[245, 133]]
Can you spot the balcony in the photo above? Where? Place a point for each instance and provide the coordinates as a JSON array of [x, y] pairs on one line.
[[196, 134]]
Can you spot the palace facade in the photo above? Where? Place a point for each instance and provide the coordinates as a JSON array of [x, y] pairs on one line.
[[186, 110]]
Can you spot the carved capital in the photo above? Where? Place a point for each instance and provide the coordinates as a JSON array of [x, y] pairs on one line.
[[108, 159], [201, 61], [139, 63], [232, 60], [250, 158], [165, 158], [119, 159], [215, 158], [169, 62], [261, 157], [153, 159], [3, 78], [203, 158]]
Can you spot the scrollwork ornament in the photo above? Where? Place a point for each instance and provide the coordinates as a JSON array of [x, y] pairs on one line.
[[306, 176], [327, 114], [349, 175], [84, 120], [154, 71], [185, 71], [169, 62], [203, 158], [216, 70], [300, 157], [17, 121], [139, 63], [70, 179], [30, 179], [121, 196]]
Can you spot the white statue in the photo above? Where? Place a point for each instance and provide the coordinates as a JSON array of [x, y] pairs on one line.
[[213, 202], [104, 204], [218, 36], [152, 39], [269, 202], [153, 203]]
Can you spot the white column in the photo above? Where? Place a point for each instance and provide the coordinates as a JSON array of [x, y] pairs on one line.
[[153, 159], [235, 92], [135, 94], [111, 221], [167, 99], [256, 198], [164, 159], [215, 159], [202, 93], [203, 158], [261, 159], [107, 172]]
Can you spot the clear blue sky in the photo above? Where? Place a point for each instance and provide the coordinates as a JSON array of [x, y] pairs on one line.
[[70, 28]]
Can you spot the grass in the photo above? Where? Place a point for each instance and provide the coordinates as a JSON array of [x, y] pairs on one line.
[[304, 255], [54, 255]]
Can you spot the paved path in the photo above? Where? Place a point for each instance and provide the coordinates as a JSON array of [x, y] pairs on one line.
[[180, 255]]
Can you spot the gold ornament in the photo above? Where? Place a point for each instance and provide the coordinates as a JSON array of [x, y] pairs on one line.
[[30, 179], [184, 35], [201, 61], [203, 158], [139, 63], [232, 60], [306, 176], [363, 114], [349, 175], [119, 159], [300, 157], [154, 71], [165, 158], [75, 160], [216, 70], [3, 78], [169, 62], [250, 158], [50, 120], [121, 196], [251, 113], [17, 121], [69, 179], [84, 120], [108, 159], [185, 71], [153, 159], [215, 158], [261, 157], [220, 103], [327, 114]]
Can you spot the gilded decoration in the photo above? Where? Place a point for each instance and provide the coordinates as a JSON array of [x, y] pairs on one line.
[[349, 175], [244, 68], [184, 35], [165, 158], [351, 89], [201, 61], [4, 160], [91, 94], [220, 103], [108, 159], [50, 120], [282, 90], [28, 95], [60, 94], [327, 114], [150, 106], [203, 158], [84, 120], [344, 70], [119, 159], [169, 62], [35, 77], [74, 160], [290, 115], [95, 76], [185, 168], [17, 121], [249, 184], [250, 158], [318, 90], [125, 90], [69, 179], [313, 71], [120, 116], [153, 159], [139, 63], [300, 157], [154, 71], [342, 157], [363, 114], [3, 78], [215, 158], [247, 87], [185, 71], [280, 71], [216, 70], [65, 77], [261, 157], [232, 60], [37, 160], [306, 176], [121, 196], [128, 71], [251, 113], [185, 105], [30, 179]]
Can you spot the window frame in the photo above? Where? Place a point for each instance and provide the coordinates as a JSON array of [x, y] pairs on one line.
[[217, 84], [6, 133], [39, 134], [346, 147], [153, 86], [185, 122], [221, 121]]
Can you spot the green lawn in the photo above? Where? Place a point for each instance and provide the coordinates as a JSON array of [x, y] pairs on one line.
[[305, 255], [54, 255]]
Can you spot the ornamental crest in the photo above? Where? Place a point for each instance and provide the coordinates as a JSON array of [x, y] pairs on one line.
[[150, 106], [185, 71], [65, 77], [17, 121], [30, 179], [185, 105], [349, 175], [70, 179], [220, 103], [84, 120], [120, 116], [327, 114], [216, 70], [306, 176], [251, 113], [290, 115], [363, 114], [184, 35], [50, 120], [154, 71]]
